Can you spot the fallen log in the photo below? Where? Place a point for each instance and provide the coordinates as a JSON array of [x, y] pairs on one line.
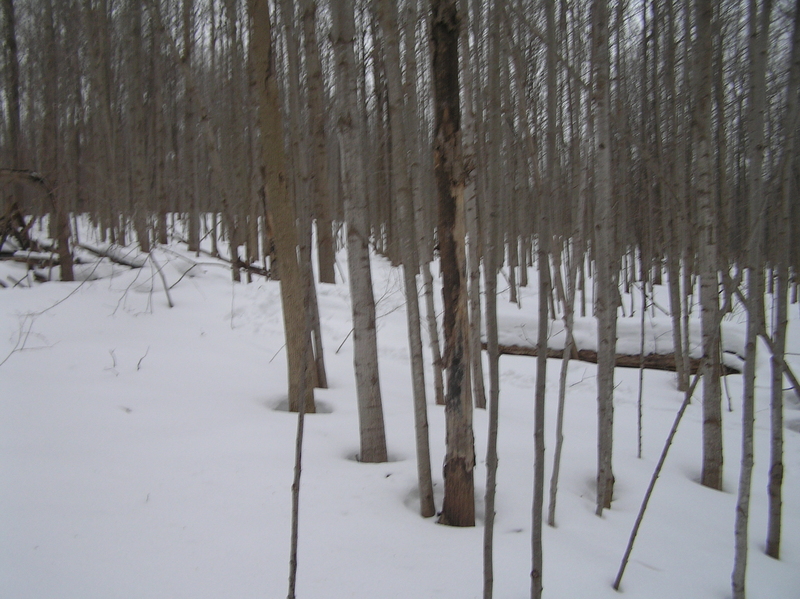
[[116, 254], [253, 269], [33, 258], [651, 361]]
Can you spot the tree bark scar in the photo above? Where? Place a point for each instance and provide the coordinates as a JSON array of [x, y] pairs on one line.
[[460, 508]]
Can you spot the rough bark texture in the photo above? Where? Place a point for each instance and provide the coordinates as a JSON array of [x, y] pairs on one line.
[[459, 486]]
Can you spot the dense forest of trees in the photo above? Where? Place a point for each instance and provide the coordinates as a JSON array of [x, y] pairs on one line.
[[614, 144]]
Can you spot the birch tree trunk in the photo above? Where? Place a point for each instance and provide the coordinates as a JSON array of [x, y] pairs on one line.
[[365, 355], [706, 235]]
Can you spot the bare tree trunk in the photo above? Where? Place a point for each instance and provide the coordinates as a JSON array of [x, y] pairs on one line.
[[299, 183], [545, 288], [59, 215], [433, 333], [706, 235], [11, 208], [674, 285], [493, 249], [759, 36], [190, 133], [780, 301], [139, 196], [472, 223], [774, 487], [606, 275], [387, 15], [318, 171], [544, 235], [569, 347], [281, 206], [642, 321], [459, 486], [298, 464], [365, 356], [490, 285], [412, 116]]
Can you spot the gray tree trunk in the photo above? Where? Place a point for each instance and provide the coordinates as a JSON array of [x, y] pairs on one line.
[[433, 333], [759, 37], [365, 355], [606, 271], [318, 171], [706, 236], [412, 117], [387, 14], [544, 235], [569, 347], [472, 222], [774, 488], [490, 286]]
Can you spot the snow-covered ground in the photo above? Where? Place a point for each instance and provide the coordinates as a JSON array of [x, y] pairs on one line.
[[142, 456]]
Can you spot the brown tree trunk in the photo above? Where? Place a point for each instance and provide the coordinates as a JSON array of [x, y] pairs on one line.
[[281, 205], [459, 489]]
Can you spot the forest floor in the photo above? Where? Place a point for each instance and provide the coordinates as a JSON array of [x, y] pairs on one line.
[[145, 453]]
